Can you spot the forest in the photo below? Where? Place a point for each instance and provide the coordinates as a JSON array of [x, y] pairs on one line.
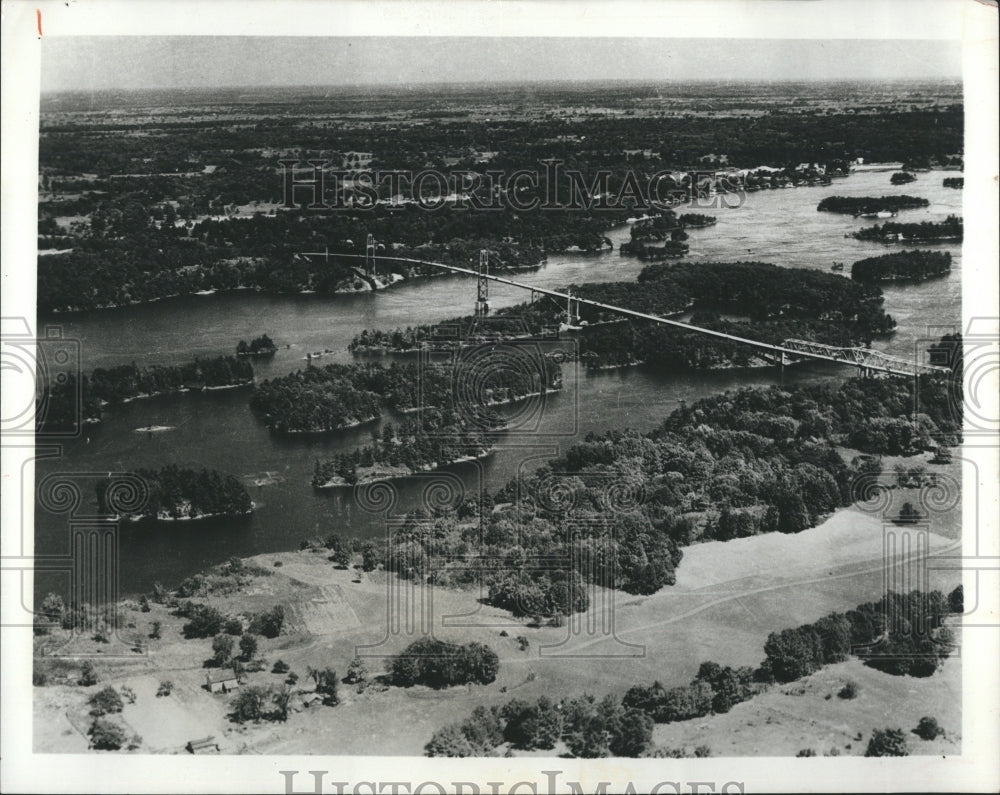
[[175, 493], [867, 205], [319, 399], [925, 231], [437, 438], [624, 503], [914, 266], [190, 224]]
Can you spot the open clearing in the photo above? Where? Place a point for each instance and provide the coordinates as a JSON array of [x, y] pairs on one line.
[[728, 598]]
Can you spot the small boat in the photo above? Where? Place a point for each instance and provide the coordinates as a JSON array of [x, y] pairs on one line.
[[837, 266]]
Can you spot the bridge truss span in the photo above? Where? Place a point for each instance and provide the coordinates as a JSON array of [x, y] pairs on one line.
[[868, 361]]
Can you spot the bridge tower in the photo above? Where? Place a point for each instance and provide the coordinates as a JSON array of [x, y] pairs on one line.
[[370, 255], [572, 309], [483, 284]]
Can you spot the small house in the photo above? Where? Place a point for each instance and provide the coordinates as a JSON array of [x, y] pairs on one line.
[[221, 681], [206, 745]]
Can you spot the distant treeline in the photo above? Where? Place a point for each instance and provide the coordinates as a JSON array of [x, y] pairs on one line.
[[902, 266], [863, 205], [591, 728], [124, 257], [176, 493], [69, 401], [948, 229]]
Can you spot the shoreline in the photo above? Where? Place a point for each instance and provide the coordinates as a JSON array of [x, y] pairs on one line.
[[339, 482], [181, 390]]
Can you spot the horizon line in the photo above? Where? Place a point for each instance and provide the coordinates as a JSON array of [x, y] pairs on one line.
[[511, 82]]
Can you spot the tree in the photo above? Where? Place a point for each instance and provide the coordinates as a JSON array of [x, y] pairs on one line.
[[88, 676], [281, 698], [249, 704], [155, 631], [956, 600], [849, 690], [233, 626], [280, 667], [887, 742], [633, 733], [326, 685], [52, 607], [357, 672], [105, 701], [165, 689], [268, 623], [205, 622], [106, 735], [449, 741], [928, 729], [248, 647], [222, 650]]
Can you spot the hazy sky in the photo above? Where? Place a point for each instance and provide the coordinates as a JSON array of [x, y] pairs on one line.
[[89, 63]]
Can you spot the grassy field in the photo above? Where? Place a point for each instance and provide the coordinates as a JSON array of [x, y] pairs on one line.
[[728, 598]]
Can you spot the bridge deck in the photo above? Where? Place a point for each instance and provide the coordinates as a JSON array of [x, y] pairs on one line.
[[864, 358]]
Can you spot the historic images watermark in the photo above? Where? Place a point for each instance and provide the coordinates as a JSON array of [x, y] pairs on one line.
[[314, 185], [547, 783]]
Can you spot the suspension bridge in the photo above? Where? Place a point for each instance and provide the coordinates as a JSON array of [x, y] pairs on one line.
[[867, 361]]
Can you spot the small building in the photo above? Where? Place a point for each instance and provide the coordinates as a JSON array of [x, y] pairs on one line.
[[221, 681], [206, 745], [311, 700]]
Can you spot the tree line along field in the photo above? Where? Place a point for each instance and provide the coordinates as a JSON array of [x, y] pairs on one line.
[[589, 727]]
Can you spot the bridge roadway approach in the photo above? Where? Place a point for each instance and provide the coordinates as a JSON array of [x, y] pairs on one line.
[[865, 359]]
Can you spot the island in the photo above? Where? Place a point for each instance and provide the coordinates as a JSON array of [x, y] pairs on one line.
[[338, 396], [259, 346], [954, 182], [665, 227], [67, 401], [902, 178], [914, 266], [866, 206], [436, 439], [949, 229], [176, 494]]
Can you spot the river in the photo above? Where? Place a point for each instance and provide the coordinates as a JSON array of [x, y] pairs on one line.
[[217, 430]]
